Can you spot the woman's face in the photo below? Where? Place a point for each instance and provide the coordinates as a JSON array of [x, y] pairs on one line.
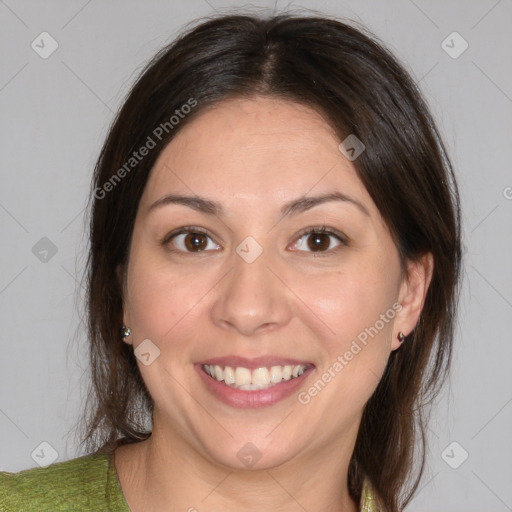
[[223, 271]]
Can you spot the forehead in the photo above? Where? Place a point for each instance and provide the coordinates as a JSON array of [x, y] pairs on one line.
[[258, 149]]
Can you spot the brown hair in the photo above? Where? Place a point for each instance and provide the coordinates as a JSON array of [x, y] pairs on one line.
[[360, 89]]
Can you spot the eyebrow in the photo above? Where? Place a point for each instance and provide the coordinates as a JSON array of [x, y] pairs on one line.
[[294, 207]]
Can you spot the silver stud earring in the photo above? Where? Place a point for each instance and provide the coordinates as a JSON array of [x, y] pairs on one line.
[[125, 331], [401, 337]]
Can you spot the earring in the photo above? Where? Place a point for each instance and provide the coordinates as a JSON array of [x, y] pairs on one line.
[[401, 336], [125, 331]]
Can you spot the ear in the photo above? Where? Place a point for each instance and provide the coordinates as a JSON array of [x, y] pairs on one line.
[[413, 290], [121, 277]]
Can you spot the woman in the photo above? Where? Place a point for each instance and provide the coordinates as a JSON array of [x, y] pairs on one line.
[[273, 277]]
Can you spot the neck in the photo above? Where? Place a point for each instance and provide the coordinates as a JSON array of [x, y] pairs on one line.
[[167, 472]]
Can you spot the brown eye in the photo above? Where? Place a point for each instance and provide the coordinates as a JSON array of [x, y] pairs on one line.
[[193, 241], [318, 240]]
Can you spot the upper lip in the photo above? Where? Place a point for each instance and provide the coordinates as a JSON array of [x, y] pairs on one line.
[[255, 362]]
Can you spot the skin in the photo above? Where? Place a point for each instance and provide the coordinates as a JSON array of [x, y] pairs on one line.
[[252, 156]]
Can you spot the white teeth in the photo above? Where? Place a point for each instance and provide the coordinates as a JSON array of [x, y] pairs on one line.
[[242, 376], [229, 375], [276, 374], [287, 372], [260, 378], [219, 374]]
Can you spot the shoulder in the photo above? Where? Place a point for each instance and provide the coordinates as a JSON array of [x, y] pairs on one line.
[[369, 501], [84, 483]]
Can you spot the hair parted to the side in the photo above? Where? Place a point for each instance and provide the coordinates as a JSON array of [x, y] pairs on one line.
[[359, 88]]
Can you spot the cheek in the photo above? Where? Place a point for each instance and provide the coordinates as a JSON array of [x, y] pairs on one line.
[[352, 303], [166, 307], [357, 307], [159, 299], [164, 302]]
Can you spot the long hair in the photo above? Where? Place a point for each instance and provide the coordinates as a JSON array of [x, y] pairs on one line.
[[359, 88]]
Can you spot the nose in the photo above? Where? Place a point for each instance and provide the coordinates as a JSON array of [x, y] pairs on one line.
[[251, 299]]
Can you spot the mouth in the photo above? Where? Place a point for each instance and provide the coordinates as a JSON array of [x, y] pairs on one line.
[[252, 379], [252, 383]]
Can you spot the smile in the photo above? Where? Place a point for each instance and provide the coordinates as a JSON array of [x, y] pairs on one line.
[[259, 378]]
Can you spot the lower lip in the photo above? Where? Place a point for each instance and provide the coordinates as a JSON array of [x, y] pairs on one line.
[[254, 399]]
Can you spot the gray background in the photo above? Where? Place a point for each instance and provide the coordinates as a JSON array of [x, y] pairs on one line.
[[54, 116]]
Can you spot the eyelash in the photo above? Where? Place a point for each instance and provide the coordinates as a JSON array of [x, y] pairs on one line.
[[307, 231]]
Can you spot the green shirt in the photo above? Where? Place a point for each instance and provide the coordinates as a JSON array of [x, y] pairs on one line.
[[86, 483]]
